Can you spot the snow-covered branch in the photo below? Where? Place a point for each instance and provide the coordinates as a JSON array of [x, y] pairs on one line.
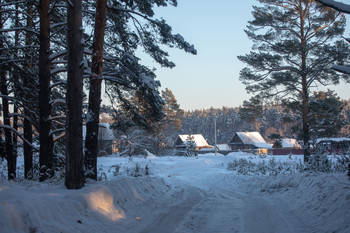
[[17, 29], [58, 101], [342, 69], [58, 54], [58, 70], [52, 132], [63, 82], [56, 138], [19, 135], [336, 5], [132, 12]]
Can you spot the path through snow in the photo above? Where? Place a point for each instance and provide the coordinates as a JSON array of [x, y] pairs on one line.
[[180, 195]]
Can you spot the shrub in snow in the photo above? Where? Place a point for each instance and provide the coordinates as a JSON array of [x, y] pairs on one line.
[[137, 170], [101, 174], [116, 169], [318, 163], [129, 169], [3, 168], [344, 163], [242, 166]]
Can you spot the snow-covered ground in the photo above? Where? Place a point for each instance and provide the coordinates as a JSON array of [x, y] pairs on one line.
[[180, 194]]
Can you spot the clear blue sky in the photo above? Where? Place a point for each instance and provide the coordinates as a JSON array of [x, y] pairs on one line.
[[210, 78]]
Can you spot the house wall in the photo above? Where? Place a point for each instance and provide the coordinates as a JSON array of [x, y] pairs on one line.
[[237, 146], [287, 151], [333, 146]]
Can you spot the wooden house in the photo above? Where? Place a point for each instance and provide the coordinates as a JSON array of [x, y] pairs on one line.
[[289, 146], [290, 143], [182, 140], [333, 145], [105, 139], [249, 141]]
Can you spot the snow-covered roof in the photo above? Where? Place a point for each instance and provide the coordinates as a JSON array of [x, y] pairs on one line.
[[223, 147], [289, 143], [197, 138], [253, 138], [318, 140], [104, 132]]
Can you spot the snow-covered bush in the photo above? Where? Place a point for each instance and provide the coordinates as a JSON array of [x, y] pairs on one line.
[[3, 167], [242, 166], [343, 163], [318, 163], [115, 168]]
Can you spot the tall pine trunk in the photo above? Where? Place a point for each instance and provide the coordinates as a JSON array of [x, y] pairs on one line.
[[305, 93], [305, 117], [10, 156], [74, 139], [91, 141], [15, 81], [46, 142], [27, 126]]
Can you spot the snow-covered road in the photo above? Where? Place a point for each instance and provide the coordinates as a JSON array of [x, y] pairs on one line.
[[180, 195], [215, 206]]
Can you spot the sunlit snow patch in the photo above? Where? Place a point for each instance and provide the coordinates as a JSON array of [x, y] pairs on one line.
[[102, 202]]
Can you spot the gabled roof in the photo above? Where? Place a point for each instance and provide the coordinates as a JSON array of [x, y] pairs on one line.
[[289, 143], [318, 140], [197, 138], [253, 138]]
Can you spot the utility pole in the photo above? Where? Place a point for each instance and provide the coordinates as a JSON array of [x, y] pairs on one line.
[[215, 136]]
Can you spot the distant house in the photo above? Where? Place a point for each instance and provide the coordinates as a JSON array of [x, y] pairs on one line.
[[249, 141], [182, 140], [105, 139], [333, 145], [289, 146], [290, 143]]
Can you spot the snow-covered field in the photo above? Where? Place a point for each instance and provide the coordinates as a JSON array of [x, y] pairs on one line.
[[180, 194]]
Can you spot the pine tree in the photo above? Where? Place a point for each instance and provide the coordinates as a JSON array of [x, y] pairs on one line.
[[167, 129], [172, 110], [326, 119], [252, 111], [74, 177], [131, 86], [91, 142], [191, 146], [4, 90], [46, 141], [295, 43]]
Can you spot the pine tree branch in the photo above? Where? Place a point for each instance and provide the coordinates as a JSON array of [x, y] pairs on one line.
[[344, 8]]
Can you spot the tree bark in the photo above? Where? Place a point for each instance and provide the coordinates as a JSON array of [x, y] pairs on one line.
[[46, 142], [10, 156], [27, 126], [91, 141], [305, 93], [15, 81], [74, 141], [305, 116]]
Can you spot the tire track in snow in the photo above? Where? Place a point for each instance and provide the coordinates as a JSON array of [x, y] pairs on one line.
[[228, 211], [170, 218]]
